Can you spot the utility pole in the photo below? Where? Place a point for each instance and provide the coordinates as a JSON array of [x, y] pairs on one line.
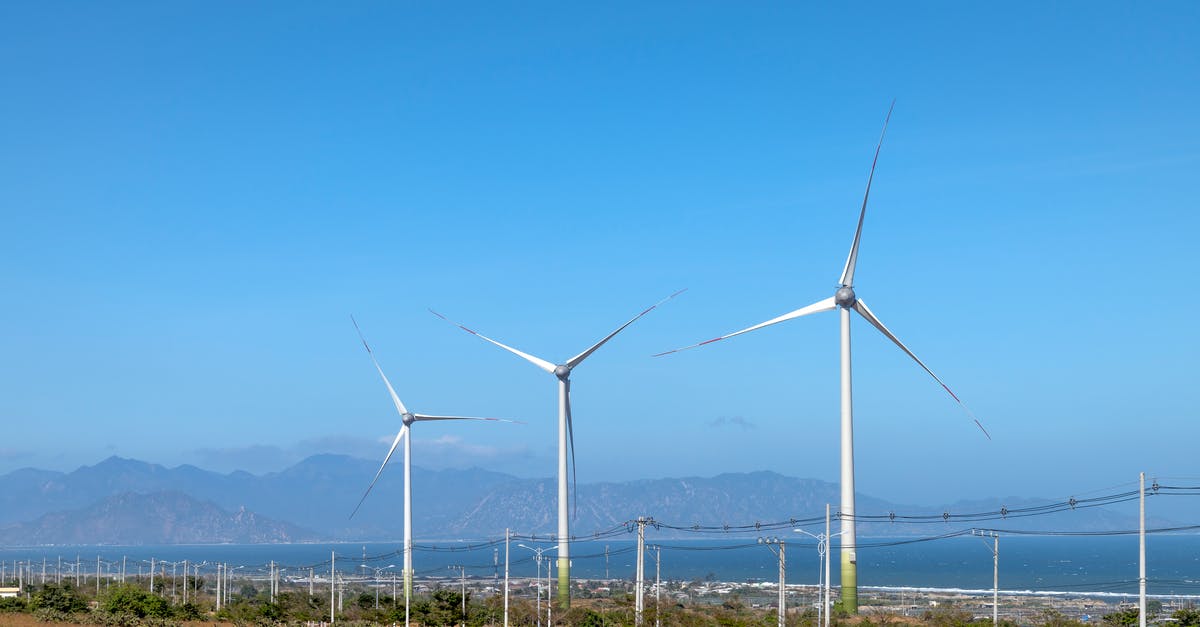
[[97, 574], [333, 586], [606, 561], [152, 582], [782, 555], [995, 548], [1141, 549], [641, 570], [506, 539], [657, 586], [464, 590]]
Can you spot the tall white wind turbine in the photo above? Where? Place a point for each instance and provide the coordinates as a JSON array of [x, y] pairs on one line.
[[845, 300], [566, 435], [407, 418]]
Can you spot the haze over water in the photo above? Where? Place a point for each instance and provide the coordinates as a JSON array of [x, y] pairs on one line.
[[1066, 564]]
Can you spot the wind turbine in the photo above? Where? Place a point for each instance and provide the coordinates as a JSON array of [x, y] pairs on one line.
[[845, 299], [408, 418], [566, 434]]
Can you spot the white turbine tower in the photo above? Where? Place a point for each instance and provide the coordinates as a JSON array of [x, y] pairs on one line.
[[408, 418], [566, 435], [845, 300]]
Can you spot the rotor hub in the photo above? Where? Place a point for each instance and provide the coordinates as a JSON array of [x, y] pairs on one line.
[[562, 372], [845, 297], [408, 418]]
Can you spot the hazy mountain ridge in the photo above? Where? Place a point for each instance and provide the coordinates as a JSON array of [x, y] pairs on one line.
[[131, 518], [319, 493]]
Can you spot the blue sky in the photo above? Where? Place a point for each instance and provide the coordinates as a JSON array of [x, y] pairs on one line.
[[196, 197]]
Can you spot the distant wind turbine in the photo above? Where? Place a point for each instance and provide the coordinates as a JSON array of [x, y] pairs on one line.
[[566, 435], [408, 418], [846, 299]]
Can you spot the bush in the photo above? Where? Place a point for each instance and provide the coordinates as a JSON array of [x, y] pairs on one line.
[[58, 598], [1187, 617], [131, 600], [13, 604]]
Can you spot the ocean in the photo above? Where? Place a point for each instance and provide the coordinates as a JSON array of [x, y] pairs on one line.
[[1103, 564]]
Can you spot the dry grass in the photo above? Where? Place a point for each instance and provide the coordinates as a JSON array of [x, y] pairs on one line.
[[25, 620]]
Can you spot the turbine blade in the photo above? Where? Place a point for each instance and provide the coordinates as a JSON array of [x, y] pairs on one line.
[[540, 363], [866, 313], [395, 399], [574, 361], [824, 305], [395, 443], [571, 439], [847, 279], [419, 417]]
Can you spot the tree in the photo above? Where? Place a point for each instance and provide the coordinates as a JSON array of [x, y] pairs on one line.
[[62, 598], [1187, 617], [1127, 617]]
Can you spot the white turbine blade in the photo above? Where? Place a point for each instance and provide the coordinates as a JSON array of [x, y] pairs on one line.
[[395, 443], [395, 399], [540, 363], [865, 312], [420, 417], [574, 361], [852, 259], [571, 439], [825, 305]]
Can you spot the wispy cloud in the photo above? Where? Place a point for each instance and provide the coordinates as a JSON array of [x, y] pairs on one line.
[[260, 458], [732, 421], [453, 450]]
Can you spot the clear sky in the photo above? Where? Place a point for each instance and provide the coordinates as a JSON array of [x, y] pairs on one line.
[[197, 196]]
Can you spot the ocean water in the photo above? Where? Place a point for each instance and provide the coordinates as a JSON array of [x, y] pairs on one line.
[[1106, 564]]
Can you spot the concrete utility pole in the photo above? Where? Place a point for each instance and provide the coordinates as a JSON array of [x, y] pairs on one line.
[[464, 590], [641, 571], [995, 570], [1141, 549], [782, 555], [507, 534], [657, 586]]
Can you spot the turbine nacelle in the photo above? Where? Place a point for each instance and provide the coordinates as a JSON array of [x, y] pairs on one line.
[[845, 297]]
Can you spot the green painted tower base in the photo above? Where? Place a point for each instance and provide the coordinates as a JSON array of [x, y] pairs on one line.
[[564, 583], [849, 583]]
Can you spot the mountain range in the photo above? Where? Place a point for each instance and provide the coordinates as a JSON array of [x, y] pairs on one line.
[[125, 501]]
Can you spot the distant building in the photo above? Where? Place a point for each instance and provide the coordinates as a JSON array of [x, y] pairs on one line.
[[9, 592]]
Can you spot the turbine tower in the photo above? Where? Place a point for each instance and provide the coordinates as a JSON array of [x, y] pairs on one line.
[[407, 418], [845, 299], [566, 435]]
